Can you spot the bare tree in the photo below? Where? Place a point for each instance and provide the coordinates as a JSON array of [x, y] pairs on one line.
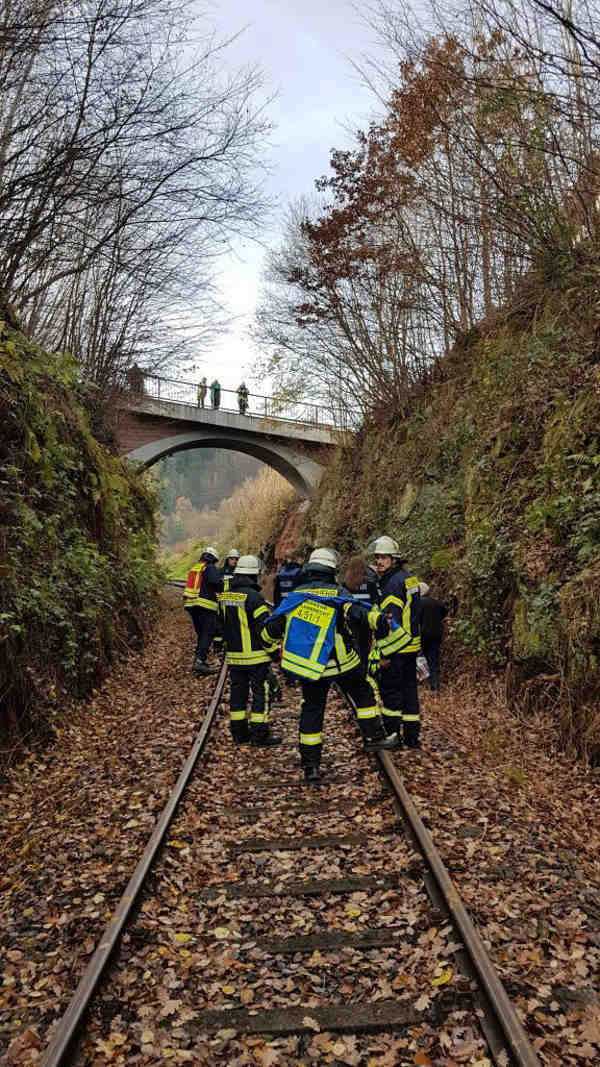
[[127, 160], [482, 168]]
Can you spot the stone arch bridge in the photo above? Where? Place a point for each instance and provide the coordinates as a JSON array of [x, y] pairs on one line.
[[158, 417]]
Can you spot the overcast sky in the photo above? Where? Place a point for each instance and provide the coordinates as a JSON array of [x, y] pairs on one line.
[[303, 48]]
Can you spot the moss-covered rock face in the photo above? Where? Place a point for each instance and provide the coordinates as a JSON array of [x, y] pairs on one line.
[[493, 490], [77, 539]]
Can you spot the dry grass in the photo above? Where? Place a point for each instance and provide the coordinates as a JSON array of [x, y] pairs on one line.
[[252, 517]]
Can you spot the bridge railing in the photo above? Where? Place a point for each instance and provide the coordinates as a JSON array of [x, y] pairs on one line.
[[269, 407]]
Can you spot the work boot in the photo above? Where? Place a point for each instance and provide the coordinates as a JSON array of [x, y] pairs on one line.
[[265, 739], [241, 737], [201, 667], [382, 742], [312, 774]]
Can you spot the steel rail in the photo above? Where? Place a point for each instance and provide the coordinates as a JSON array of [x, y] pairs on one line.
[[72, 1018], [511, 1025]]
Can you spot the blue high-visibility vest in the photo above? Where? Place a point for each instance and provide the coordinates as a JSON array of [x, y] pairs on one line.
[[309, 637]]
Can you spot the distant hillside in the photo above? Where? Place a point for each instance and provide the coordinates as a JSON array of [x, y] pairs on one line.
[[195, 481], [492, 486], [251, 520]]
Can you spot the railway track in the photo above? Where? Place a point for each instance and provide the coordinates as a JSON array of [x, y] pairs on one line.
[[268, 922]]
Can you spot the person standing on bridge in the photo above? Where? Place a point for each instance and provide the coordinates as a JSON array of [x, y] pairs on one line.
[[215, 393], [242, 395], [202, 387]]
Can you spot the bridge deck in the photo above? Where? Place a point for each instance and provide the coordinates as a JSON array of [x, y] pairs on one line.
[[263, 426]]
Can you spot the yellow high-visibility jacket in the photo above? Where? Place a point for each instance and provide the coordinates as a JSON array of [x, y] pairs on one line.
[[244, 611], [399, 598]]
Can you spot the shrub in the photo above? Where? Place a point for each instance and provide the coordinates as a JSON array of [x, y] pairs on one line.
[[77, 541]]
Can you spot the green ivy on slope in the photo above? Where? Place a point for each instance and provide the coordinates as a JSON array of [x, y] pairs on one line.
[[77, 540], [492, 487]]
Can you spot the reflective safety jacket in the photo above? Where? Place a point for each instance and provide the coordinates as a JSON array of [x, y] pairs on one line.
[[203, 583], [399, 597], [314, 621], [286, 579], [244, 611]]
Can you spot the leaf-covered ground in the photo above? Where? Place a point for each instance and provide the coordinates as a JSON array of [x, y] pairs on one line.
[[515, 822]]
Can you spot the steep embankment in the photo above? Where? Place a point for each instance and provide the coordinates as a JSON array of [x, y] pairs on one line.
[[492, 485], [76, 540]]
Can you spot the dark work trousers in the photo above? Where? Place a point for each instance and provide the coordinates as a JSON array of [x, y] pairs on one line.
[[241, 681], [364, 647], [205, 624], [274, 684], [399, 696], [218, 638], [431, 650], [314, 698]]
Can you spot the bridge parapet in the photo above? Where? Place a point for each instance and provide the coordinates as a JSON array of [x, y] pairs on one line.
[[276, 408], [149, 428], [224, 420]]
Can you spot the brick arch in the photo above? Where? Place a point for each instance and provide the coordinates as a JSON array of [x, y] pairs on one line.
[[301, 471]]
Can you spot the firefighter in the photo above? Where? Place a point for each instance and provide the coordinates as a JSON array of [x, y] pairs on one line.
[[225, 571], [314, 621], [230, 563], [248, 652], [399, 597], [204, 582], [286, 579]]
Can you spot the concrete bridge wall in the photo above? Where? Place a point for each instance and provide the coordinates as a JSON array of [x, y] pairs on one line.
[[149, 430]]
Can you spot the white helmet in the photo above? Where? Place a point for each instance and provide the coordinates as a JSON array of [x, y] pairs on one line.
[[324, 557], [248, 565], [385, 546], [233, 554], [210, 552]]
